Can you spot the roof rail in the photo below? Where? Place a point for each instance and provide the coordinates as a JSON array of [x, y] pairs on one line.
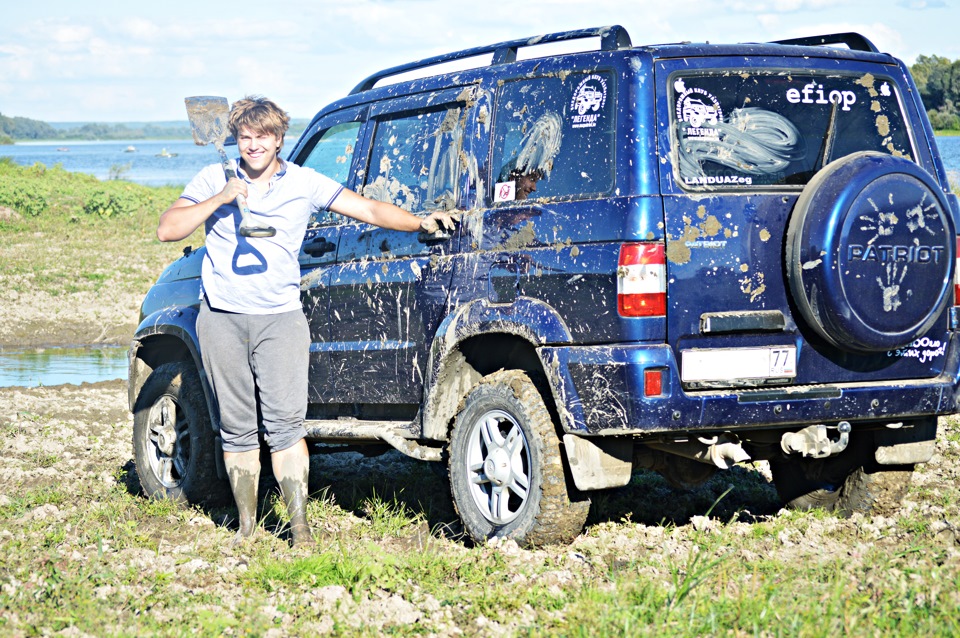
[[854, 41], [611, 38]]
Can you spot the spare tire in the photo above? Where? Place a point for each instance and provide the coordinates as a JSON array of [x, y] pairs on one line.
[[870, 252]]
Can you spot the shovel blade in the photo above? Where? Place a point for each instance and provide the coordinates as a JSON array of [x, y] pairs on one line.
[[208, 119]]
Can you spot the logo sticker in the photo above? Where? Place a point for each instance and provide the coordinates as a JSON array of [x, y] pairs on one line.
[[700, 109], [505, 192], [813, 93], [588, 100]]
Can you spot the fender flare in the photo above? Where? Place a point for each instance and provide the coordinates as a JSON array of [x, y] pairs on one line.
[[179, 324], [449, 377]]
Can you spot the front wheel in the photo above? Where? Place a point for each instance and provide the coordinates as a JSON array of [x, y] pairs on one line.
[[173, 443], [506, 466]]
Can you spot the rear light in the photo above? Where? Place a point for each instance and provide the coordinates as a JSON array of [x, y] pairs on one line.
[[956, 277], [642, 281], [652, 383]]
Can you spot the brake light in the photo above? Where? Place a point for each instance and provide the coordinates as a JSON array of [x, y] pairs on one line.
[[642, 280], [956, 277]]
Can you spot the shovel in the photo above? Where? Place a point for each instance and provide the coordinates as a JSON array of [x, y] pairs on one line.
[[208, 119]]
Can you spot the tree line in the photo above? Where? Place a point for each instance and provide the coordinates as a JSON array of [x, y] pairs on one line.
[[23, 128], [939, 82], [13, 129]]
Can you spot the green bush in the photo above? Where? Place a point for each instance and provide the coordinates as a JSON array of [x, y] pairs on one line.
[[23, 196], [52, 193]]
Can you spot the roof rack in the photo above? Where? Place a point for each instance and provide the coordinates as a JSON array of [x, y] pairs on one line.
[[611, 38], [854, 41]]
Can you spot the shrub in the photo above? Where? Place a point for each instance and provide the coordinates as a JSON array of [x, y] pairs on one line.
[[23, 196]]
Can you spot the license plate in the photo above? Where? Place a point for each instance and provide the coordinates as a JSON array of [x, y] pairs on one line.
[[729, 364]]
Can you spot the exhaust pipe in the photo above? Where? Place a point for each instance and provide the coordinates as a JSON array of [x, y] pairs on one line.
[[721, 451]]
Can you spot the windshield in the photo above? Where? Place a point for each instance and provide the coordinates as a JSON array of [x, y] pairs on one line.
[[778, 128]]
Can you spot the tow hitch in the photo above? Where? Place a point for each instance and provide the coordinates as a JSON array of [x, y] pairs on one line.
[[814, 442]]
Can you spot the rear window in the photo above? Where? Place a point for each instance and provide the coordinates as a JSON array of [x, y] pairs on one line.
[[778, 128]]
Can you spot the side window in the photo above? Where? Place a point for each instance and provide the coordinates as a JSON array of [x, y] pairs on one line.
[[554, 137], [415, 159], [332, 155], [333, 152]]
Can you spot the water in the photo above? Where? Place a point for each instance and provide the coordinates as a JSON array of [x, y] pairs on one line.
[[33, 367], [153, 163], [950, 151]]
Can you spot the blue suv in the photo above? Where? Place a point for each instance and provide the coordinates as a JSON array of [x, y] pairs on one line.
[[676, 257]]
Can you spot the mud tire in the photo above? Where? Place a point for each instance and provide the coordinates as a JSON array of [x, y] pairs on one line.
[[173, 443], [852, 482], [506, 407]]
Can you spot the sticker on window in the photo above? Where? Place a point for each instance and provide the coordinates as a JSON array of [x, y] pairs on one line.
[[698, 108], [505, 192], [588, 100]]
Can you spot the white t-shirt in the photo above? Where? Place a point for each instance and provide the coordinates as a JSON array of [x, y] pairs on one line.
[[259, 275]]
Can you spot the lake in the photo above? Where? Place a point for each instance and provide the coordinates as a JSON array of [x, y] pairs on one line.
[[153, 163], [159, 163]]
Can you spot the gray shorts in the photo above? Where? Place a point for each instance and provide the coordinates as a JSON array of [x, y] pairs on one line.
[[257, 362]]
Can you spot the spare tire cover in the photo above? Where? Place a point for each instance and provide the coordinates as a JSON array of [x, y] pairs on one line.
[[870, 252]]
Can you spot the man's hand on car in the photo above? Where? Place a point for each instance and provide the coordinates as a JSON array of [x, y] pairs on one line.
[[438, 221]]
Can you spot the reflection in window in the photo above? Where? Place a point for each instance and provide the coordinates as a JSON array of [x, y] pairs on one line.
[[553, 137], [333, 152], [332, 155], [415, 161]]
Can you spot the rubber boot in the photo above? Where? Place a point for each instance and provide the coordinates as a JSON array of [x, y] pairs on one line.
[[243, 468], [292, 469]]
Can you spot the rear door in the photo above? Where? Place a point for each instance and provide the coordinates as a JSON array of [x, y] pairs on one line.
[[744, 139]]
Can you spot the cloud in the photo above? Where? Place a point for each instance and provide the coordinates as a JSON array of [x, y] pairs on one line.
[[921, 5]]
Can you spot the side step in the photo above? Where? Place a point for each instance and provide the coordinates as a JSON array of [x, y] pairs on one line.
[[395, 433]]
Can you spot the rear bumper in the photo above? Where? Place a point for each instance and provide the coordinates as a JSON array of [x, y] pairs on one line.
[[599, 391]]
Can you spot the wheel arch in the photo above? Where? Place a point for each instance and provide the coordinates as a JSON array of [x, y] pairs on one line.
[[164, 337], [479, 339]]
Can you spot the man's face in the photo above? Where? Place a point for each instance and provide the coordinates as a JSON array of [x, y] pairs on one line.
[[258, 149], [526, 184]]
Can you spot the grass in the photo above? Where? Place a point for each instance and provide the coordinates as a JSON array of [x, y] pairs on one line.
[[137, 566]]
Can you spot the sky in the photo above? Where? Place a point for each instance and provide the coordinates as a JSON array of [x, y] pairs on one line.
[[135, 60]]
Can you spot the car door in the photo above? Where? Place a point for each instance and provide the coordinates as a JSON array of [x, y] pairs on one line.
[[327, 148], [389, 290]]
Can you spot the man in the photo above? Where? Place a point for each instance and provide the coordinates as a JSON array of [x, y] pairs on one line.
[[526, 183], [254, 337]]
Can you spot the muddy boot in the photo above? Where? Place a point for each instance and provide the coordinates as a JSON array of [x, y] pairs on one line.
[[243, 468], [292, 469]]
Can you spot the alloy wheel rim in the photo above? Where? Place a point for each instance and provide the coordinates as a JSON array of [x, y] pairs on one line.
[[498, 466]]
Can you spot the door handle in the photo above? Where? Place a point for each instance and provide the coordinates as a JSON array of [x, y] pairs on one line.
[[319, 247]]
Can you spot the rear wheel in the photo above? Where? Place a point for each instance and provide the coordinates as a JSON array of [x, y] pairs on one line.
[[506, 466], [847, 483], [173, 443]]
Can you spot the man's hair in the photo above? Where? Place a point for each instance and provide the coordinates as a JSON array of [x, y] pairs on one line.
[[260, 115]]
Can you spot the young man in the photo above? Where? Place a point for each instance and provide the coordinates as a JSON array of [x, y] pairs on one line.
[[254, 337]]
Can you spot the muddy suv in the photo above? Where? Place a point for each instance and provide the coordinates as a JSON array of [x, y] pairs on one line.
[[675, 257]]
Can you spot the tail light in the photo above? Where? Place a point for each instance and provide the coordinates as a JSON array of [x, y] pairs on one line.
[[642, 280], [956, 277]]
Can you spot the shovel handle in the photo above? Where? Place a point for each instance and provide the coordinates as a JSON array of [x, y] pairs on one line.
[[248, 228]]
